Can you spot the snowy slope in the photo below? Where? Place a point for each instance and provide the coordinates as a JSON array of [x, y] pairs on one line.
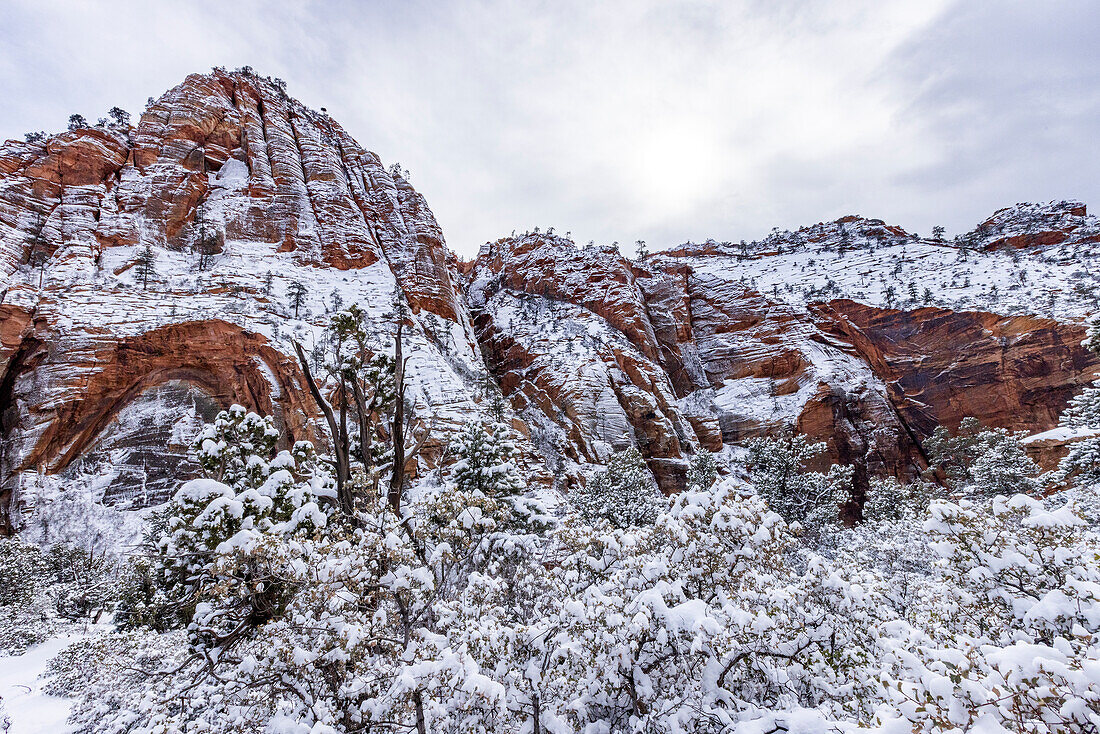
[[868, 261]]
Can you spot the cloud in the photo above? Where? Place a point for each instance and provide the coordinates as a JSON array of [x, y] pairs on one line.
[[633, 119]]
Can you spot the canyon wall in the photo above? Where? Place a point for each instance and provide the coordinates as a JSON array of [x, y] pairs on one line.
[[150, 275]]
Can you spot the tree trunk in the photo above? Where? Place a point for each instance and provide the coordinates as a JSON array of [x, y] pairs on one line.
[[344, 420], [421, 723], [364, 426], [343, 492], [397, 480]]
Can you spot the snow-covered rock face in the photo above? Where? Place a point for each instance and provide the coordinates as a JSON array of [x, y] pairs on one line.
[[1027, 259], [244, 197], [87, 341], [575, 335], [668, 359]]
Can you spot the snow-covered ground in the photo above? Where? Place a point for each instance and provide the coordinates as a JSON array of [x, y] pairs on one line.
[[921, 273], [871, 262], [28, 707]]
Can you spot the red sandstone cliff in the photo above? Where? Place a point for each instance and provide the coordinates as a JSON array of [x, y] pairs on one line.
[[100, 371], [95, 363]]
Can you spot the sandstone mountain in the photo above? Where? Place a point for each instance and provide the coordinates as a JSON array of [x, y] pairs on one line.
[[148, 273]]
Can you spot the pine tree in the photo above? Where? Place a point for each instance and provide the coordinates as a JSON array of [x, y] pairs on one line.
[[776, 467], [486, 461], [1082, 462], [212, 553], [1003, 467], [891, 500], [702, 472], [145, 265], [623, 494], [891, 294], [226, 447], [38, 253], [981, 461], [297, 294], [120, 117], [77, 121]]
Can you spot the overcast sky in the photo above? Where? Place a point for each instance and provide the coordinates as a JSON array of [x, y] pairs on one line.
[[662, 121]]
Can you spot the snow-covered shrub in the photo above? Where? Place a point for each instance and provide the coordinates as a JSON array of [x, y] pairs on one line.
[[142, 594], [701, 620], [777, 470], [122, 682], [83, 582], [24, 571], [712, 616], [371, 634], [70, 512], [27, 617], [42, 590], [982, 461], [624, 494], [702, 471], [1015, 647], [1010, 557], [142, 599], [219, 564], [890, 499]]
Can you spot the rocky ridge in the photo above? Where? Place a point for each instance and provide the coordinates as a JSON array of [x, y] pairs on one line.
[[827, 330]]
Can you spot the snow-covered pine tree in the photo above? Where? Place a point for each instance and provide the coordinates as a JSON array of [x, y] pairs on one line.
[[229, 450], [486, 467], [702, 471], [1082, 463], [624, 494], [776, 467], [215, 563], [486, 461], [1003, 467], [982, 461], [891, 500]]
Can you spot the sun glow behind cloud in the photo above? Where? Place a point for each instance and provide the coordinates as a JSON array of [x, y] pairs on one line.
[[628, 120]]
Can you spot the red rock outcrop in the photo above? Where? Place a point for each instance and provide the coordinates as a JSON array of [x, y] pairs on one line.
[[292, 198], [673, 353], [306, 187], [220, 358], [717, 361], [723, 362], [942, 366], [1037, 225]]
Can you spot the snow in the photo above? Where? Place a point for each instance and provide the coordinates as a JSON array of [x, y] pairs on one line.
[[247, 285], [31, 710], [807, 266], [1061, 433]]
